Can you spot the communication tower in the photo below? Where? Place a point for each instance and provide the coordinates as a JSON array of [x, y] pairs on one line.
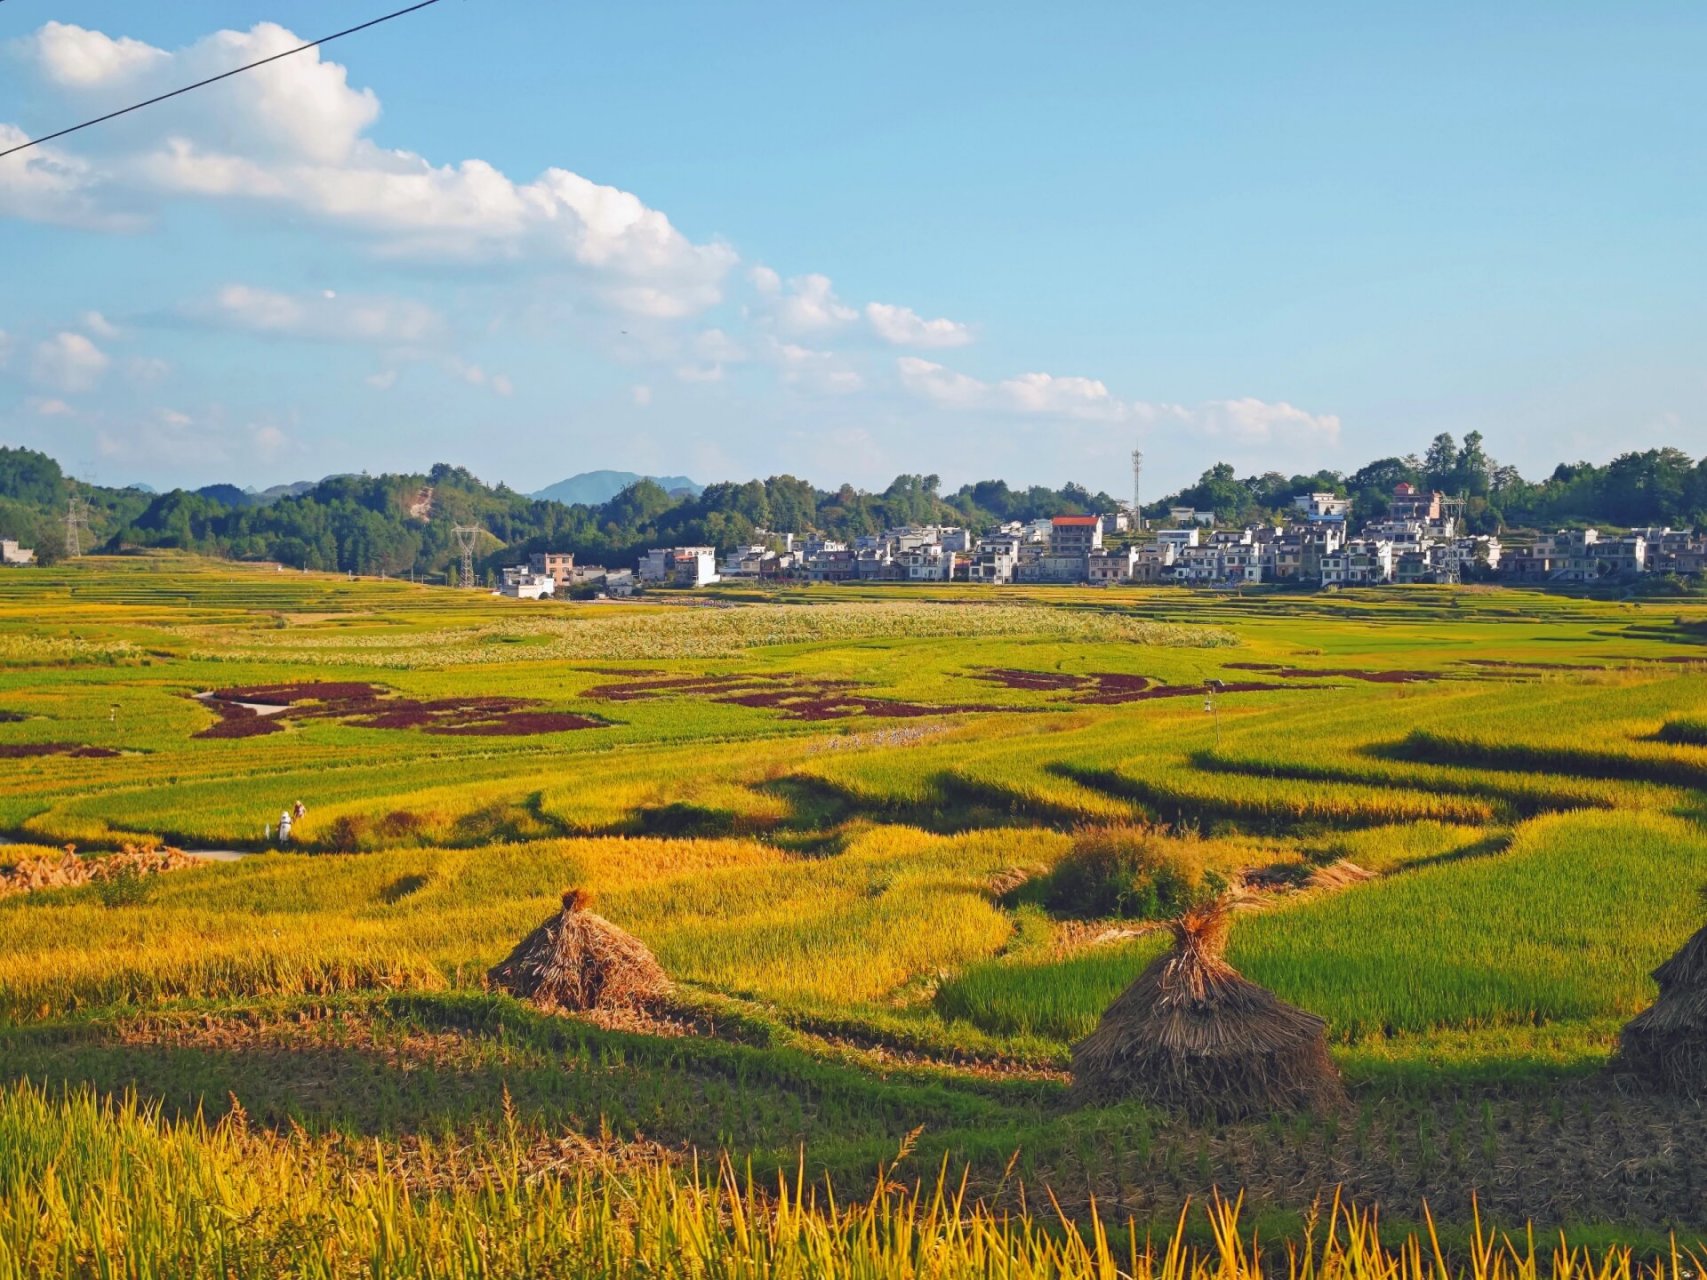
[[1137, 490]]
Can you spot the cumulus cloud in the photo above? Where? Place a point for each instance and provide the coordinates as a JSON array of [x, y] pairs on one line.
[[51, 407], [80, 59], [813, 370], [68, 362], [46, 184], [944, 386], [477, 376], [1250, 421], [295, 138], [804, 305], [1243, 422], [641, 394], [99, 325], [904, 327], [146, 370], [325, 316], [268, 441], [384, 380]]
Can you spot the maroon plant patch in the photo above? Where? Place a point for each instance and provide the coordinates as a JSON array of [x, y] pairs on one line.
[[794, 697], [367, 706], [1108, 688], [32, 750], [1339, 673]]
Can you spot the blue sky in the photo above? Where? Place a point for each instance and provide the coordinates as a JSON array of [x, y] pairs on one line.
[[849, 241]]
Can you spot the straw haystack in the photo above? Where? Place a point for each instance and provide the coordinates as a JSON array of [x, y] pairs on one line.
[[1192, 1035], [578, 960], [1666, 1044]]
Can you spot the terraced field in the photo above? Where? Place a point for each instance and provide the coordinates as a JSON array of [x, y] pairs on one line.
[[1466, 824]]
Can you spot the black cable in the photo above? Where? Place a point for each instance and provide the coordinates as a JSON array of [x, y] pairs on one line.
[[337, 35]]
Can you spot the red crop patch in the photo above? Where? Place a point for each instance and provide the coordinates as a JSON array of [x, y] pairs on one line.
[[32, 750], [793, 696], [1108, 688], [1341, 673], [366, 706]]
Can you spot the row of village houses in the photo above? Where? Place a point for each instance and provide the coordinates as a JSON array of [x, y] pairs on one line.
[[1418, 541]]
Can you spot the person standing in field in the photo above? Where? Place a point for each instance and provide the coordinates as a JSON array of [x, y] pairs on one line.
[[284, 827], [298, 811]]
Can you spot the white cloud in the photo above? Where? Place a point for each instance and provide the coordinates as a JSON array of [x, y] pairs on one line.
[[1069, 397], [46, 184], [933, 382], [68, 362], [1247, 421], [700, 372], [384, 380], [268, 442], [5, 349], [1250, 421], [765, 280], [718, 347], [813, 370], [477, 376], [806, 305], [904, 327], [73, 57], [324, 316], [640, 394], [99, 325], [294, 137], [146, 370], [51, 407]]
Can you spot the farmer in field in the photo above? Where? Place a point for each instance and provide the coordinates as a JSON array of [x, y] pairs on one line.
[[284, 826], [298, 810]]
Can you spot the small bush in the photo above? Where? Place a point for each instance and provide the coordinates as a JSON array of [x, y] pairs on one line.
[[401, 824], [347, 833], [126, 887], [1131, 871]]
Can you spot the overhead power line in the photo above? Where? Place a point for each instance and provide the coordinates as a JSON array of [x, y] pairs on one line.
[[224, 75]]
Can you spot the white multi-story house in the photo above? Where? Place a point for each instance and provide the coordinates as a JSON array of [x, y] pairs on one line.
[[520, 582], [995, 558], [11, 553]]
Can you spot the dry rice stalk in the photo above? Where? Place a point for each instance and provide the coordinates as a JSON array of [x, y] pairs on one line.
[[1665, 1045], [1192, 1035], [579, 961]]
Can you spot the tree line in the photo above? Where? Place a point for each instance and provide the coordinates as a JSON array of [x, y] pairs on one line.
[[371, 524]]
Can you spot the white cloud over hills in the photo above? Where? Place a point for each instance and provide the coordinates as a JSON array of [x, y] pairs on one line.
[[294, 142]]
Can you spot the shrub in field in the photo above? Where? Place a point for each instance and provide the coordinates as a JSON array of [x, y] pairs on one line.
[[1131, 870], [126, 887], [346, 833]]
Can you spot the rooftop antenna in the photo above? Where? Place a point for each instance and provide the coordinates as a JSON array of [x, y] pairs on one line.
[[1138, 490], [466, 536]]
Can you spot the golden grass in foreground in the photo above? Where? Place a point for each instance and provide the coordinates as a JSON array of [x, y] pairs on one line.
[[97, 1189]]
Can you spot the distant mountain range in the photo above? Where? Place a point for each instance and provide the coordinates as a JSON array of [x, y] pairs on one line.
[[594, 488], [231, 496]]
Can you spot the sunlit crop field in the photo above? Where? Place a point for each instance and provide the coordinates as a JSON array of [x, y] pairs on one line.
[[828, 812]]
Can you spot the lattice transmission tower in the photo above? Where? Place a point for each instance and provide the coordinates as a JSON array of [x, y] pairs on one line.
[[76, 524], [467, 536]]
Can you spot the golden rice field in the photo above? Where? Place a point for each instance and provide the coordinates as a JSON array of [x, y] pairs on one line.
[[833, 815]]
